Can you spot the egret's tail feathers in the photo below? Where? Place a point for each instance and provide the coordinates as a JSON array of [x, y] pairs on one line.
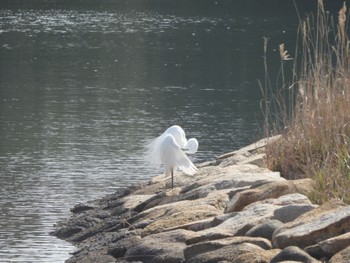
[[152, 153]]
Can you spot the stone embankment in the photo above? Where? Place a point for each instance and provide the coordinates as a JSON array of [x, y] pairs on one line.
[[232, 210]]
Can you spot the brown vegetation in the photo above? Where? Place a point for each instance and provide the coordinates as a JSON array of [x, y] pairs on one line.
[[314, 117]]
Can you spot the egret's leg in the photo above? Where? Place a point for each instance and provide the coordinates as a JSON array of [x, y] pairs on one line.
[[172, 179]]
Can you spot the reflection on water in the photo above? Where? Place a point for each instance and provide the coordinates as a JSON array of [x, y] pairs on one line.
[[81, 91]]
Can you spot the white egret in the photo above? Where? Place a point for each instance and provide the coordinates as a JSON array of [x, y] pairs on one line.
[[170, 149]]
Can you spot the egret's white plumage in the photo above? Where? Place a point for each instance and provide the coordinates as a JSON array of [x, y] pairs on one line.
[[191, 146], [170, 149]]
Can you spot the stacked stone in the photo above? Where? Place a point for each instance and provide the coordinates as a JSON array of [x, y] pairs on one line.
[[232, 210]]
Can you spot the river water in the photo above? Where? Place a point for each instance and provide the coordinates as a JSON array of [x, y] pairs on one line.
[[83, 87]]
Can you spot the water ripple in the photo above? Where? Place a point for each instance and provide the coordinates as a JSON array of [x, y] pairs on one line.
[[81, 93]]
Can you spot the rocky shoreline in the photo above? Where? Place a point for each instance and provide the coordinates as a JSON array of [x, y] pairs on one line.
[[232, 210]]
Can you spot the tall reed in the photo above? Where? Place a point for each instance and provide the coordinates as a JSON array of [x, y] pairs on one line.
[[315, 116]]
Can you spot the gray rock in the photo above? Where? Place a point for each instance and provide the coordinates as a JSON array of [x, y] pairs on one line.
[[264, 230], [67, 231], [289, 213], [222, 218], [316, 252], [288, 199], [119, 248], [132, 201], [162, 217], [227, 253], [92, 257], [81, 207], [206, 246], [317, 225], [342, 256], [329, 247], [252, 147], [263, 256], [268, 191], [194, 225], [256, 159], [121, 241], [234, 159], [239, 176], [234, 178], [98, 227], [165, 197], [237, 225], [293, 253], [160, 248]]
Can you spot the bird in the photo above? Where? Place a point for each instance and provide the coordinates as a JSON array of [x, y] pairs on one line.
[[170, 149]]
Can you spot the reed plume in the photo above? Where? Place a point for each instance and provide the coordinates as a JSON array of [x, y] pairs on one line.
[[316, 136]]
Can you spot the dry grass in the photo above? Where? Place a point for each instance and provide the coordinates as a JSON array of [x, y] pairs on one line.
[[314, 111]]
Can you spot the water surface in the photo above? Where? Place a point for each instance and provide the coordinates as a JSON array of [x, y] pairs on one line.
[[83, 88]]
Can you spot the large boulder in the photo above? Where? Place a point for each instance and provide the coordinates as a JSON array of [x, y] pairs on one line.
[[267, 191], [293, 253], [251, 148], [94, 256], [289, 213], [291, 206], [342, 256], [165, 247], [159, 218], [238, 224], [242, 252], [265, 229], [122, 241], [322, 223], [211, 245], [261, 256], [329, 247]]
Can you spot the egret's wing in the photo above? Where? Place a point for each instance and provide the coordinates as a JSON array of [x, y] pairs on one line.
[[191, 146], [178, 133], [184, 163]]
